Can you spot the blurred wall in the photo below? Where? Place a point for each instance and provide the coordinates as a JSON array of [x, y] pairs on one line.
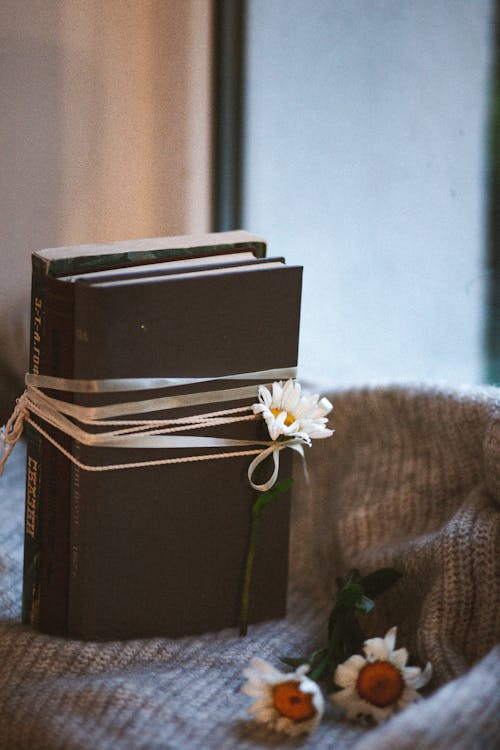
[[104, 132], [365, 160]]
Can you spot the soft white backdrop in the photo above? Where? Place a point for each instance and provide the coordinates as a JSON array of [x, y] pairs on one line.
[[365, 161]]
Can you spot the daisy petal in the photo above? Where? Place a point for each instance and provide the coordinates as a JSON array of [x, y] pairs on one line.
[[358, 708], [252, 690], [294, 730], [291, 395], [323, 407], [408, 696], [265, 716], [264, 668], [399, 658], [411, 674], [282, 724], [346, 674], [277, 393], [265, 395], [302, 670], [422, 679], [318, 431], [376, 649], [381, 714], [260, 706], [390, 638]]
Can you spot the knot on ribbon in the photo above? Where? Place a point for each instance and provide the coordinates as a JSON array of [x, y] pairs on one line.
[[13, 429], [274, 451]]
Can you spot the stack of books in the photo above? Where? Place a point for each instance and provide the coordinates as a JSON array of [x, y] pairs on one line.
[[154, 550]]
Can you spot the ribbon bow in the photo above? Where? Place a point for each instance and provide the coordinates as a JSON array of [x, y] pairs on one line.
[[273, 450]]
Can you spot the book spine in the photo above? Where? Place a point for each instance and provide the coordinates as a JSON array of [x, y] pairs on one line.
[[76, 550], [46, 562], [56, 476], [78, 602], [32, 531]]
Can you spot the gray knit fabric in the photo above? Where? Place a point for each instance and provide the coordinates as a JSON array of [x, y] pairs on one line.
[[411, 479]]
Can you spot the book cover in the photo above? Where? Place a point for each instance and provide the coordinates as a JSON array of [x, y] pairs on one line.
[[160, 551]]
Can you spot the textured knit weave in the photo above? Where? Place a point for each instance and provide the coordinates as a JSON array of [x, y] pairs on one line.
[[410, 479]]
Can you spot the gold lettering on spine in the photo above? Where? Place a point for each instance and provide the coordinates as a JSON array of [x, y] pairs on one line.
[[75, 515], [31, 496], [37, 328]]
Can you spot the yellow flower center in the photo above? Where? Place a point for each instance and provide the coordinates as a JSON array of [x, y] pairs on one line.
[[380, 683], [289, 419], [290, 701]]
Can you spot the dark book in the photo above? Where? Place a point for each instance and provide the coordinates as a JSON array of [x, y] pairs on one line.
[[160, 551], [46, 550]]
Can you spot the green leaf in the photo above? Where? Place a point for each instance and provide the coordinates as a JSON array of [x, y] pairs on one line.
[[269, 496], [298, 661], [350, 595], [376, 583], [353, 637], [320, 666], [353, 576], [292, 662]]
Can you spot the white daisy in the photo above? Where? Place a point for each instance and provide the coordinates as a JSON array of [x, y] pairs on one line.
[[379, 684], [288, 412], [289, 703]]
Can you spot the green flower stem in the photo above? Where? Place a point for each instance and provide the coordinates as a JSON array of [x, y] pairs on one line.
[[245, 596], [262, 501]]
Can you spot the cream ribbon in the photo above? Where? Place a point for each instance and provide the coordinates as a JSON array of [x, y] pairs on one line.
[[145, 433], [144, 384], [273, 450]]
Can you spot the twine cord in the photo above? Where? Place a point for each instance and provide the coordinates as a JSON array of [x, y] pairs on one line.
[[13, 429]]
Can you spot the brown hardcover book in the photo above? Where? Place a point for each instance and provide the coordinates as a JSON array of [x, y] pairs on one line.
[[161, 551], [47, 554]]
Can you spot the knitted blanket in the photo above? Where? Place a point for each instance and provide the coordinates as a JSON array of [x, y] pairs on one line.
[[411, 479]]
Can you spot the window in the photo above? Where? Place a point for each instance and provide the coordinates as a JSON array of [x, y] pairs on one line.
[[364, 158]]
